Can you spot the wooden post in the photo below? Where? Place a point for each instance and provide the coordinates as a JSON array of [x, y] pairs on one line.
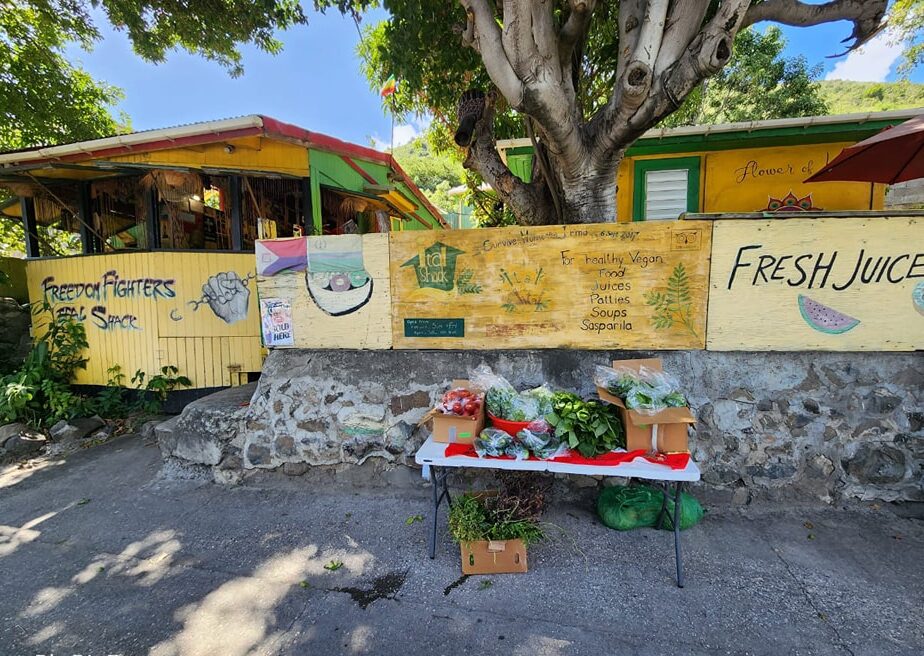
[[315, 184], [152, 210], [308, 225], [88, 239], [29, 225], [237, 225]]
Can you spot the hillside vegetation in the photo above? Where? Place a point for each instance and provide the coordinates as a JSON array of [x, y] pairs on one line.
[[843, 97]]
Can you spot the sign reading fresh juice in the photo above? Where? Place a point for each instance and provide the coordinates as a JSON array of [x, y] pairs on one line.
[[844, 284]]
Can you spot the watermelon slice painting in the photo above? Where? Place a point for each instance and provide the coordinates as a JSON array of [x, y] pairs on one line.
[[825, 319], [917, 297]]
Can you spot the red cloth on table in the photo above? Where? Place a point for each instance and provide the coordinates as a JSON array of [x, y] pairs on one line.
[[613, 458]]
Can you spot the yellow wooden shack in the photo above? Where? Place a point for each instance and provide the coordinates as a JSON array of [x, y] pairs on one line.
[[168, 220], [757, 166]]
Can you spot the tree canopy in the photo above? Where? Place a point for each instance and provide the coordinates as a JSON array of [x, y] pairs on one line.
[[583, 78]]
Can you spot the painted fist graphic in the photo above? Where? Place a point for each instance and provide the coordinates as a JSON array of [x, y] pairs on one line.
[[227, 295]]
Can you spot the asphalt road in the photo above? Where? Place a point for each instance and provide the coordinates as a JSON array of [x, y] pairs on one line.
[[98, 556]]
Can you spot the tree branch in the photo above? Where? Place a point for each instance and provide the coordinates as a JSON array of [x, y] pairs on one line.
[[486, 39], [866, 15], [685, 20], [530, 202], [575, 27]]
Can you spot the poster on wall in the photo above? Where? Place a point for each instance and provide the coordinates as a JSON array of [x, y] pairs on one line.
[[838, 284], [598, 286], [276, 319]]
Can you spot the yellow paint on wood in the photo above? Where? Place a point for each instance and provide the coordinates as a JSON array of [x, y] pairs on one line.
[[149, 310], [861, 283], [367, 326], [249, 153], [752, 179], [597, 286]]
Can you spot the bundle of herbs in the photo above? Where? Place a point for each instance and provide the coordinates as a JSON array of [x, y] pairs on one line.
[[589, 427], [510, 514]]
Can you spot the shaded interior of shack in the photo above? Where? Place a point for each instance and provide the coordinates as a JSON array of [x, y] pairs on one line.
[[172, 209]]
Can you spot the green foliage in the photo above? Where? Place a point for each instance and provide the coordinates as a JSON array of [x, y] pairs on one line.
[[39, 391], [674, 306], [845, 97], [906, 22], [148, 396], [758, 84], [478, 517], [589, 427], [426, 166]]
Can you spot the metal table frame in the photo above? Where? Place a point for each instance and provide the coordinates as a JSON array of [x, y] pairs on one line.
[[439, 473]]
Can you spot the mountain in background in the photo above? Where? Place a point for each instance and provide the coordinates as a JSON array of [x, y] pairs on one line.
[[843, 97]]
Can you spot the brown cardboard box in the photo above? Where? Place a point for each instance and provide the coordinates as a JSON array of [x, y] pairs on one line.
[[664, 431], [450, 429], [493, 557]]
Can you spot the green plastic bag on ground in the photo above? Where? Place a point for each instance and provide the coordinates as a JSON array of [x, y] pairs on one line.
[[637, 506]]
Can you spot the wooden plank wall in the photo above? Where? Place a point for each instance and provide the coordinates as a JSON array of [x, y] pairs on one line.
[[197, 311], [599, 286], [846, 270]]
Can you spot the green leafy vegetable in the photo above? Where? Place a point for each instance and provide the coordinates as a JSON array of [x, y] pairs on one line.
[[589, 427], [474, 517]]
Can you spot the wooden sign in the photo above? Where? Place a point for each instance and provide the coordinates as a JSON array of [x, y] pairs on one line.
[[337, 286], [599, 286], [771, 180], [838, 284]]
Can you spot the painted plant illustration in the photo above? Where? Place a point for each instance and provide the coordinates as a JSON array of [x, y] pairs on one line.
[[465, 284], [673, 307], [524, 289]]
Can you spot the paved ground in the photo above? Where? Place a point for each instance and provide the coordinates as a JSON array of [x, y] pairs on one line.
[[98, 557]]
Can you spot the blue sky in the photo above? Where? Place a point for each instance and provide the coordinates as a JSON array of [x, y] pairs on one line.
[[316, 82]]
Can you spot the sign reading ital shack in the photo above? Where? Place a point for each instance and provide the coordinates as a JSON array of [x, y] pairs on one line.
[[598, 286], [844, 284]]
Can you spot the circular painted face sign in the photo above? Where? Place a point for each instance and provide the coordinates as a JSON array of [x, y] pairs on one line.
[[340, 282], [917, 297]]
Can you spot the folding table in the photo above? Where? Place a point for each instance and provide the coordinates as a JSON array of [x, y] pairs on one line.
[[436, 466]]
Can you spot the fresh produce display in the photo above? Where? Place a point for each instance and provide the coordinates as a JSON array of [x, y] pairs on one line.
[[645, 390], [588, 427], [461, 402]]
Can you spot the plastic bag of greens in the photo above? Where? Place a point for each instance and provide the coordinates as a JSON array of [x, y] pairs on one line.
[[539, 438], [655, 391], [637, 506], [544, 398], [500, 395], [517, 450], [618, 382], [492, 442]]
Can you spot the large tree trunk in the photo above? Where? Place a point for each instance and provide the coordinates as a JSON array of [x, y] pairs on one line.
[[532, 53], [589, 196]]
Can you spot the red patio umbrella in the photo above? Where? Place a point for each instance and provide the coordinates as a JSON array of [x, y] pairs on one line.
[[894, 155]]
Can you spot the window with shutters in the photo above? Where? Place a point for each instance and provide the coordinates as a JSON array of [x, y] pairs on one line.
[[665, 188]]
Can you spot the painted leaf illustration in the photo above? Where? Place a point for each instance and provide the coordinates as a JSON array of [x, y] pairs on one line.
[[675, 306]]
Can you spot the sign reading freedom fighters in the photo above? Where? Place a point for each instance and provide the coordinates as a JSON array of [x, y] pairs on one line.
[[599, 286], [838, 284]]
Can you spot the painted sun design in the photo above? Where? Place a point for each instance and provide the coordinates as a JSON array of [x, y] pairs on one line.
[[791, 203]]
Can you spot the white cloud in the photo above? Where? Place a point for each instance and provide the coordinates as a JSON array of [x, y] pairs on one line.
[[403, 134], [871, 63]]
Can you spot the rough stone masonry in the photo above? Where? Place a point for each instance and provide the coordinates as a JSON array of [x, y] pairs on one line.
[[816, 425]]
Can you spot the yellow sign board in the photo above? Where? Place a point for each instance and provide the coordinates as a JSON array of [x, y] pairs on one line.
[[599, 286], [771, 180], [838, 284]]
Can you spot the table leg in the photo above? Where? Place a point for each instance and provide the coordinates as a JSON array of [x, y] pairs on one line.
[[677, 555], [435, 475]]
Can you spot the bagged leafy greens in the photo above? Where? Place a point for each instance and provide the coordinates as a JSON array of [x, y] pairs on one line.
[[646, 391], [504, 402], [539, 437], [492, 442]]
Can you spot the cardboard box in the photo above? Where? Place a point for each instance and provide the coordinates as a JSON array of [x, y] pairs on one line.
[[664, 431], [450, 429], [493, 557]]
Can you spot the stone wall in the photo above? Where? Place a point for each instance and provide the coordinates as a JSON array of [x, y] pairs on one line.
[[809, 425], [15, 339]]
